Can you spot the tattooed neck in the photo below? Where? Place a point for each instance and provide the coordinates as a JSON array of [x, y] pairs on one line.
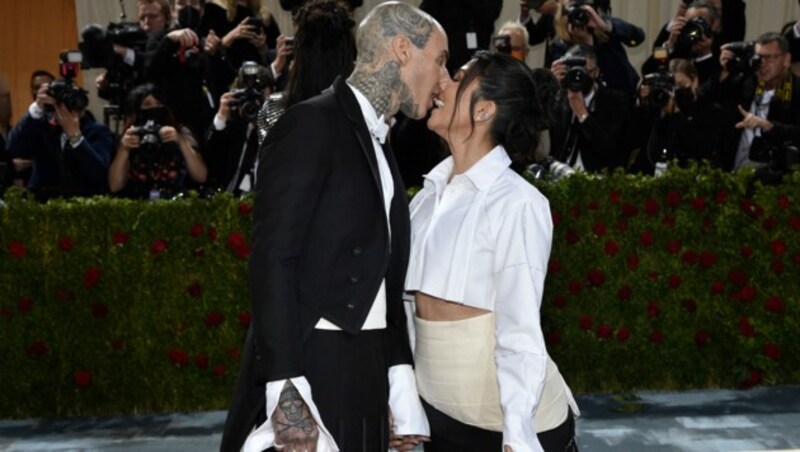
[[384, 89]]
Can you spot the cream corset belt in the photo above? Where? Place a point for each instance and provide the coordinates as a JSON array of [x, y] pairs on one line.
[[456, 374]]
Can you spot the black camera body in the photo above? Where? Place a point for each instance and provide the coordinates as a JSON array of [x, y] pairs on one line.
[[149, 139], [549, 169], [577, 16], [662, 87], [577, 78], [693, 31], [745, 61], [97, 45], [502, 44], [248, 99], [64, 90]]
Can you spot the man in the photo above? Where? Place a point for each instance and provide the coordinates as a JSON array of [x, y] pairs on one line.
[[518, 39], [766, 105], [543, 29], [70, 151], [588, 134], [331, 231], [792, 33]]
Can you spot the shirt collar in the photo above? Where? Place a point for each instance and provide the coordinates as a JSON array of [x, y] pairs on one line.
[[376, 126], [482, 174]]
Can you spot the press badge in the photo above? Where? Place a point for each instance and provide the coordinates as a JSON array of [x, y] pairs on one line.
[[472, 40]]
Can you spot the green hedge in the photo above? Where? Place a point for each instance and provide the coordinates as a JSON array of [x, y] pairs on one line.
[[113, 306]]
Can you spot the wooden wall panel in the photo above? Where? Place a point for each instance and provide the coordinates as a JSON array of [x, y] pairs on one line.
[[32, 34]]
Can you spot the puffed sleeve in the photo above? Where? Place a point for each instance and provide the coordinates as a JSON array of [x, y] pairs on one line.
[[523, 241]]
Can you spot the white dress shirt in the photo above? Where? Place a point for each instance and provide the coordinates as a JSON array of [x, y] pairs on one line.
[[409, 416], [483, 240], [760, 108]]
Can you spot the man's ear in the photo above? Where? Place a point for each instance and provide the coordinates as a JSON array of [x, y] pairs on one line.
[[401, 48]]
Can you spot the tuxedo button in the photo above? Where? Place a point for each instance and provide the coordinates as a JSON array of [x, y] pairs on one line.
[[351, 306], [353, 279], [357, 251]]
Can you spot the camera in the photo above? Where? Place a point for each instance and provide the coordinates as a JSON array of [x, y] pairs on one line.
[[64, 90], [149, 140], [248, 99], [256, 23], [577, 78], [97, 45], [502, 44], [693, 31], [577, 16], [549, 169], [744, 61], [662, 86]]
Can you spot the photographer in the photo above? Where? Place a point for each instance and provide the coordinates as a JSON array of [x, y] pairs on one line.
[[792, 33], [69, 150], [543, 29], [675, 121], [155, 153], [578, 22], [763, 95], [512, 39], [589, 129]]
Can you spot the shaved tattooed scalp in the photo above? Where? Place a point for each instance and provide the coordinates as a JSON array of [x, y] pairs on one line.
[[377, 74]]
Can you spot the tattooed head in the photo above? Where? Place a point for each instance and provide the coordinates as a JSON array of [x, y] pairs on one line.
[[401, 53]]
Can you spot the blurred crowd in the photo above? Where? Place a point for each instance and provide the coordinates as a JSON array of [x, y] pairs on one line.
[[192, 88]]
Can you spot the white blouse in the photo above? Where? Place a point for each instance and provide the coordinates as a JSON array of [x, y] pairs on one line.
[[483, 240]]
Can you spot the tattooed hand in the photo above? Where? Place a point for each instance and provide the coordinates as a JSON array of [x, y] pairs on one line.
[[295, 428]]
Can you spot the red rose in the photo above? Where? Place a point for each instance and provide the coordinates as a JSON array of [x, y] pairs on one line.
[[673, 198], [656, 337], [752, 380], [738, 277], [778, 247], [746, 251], [245, 318], [25, 305], [119, 238], [777, 266], [624, 293], [646, 238], [669, 220], [596, 277], [721, 197], [653, 309], [745, 294], [36, 349], [178, 356], [699, 204], [611, 248], [633, 262], [245, 208], [64, 295], [794, 223], [243, 251], [556, 218], [623, 334], [99, 310], [91, 277], [689, 257], [158, 247], [574, 287], [689, 304], [717, 287], [234, 353], [82, 378], [212, 233], [585, 322], [196, 230], [707, 259], [201, 361], [629, 210], [674, 246], [772, 351], [214, 319], [614, 197], [604, 331], [599, 229], [235, 240], [592, 205], [195, 290], [751, 208], [17, 248], [575, 211], [572, 237], [651, 207], [783, 202], [701, 338], [745, 328], [674, 281], [553, 266], [559, 301], [774, 304], [117, 344], [622, 226], [553, 338], [219, 371], [769, 224], [65, 243]]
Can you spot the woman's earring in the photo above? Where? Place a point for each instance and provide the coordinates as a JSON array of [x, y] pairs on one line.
[[483, 116]]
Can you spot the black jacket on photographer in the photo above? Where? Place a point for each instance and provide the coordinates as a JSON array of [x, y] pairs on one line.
[[783, 114], [230, 152], [62, 168]]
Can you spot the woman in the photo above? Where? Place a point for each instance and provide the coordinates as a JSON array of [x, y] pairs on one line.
[[155, 153], [480, 241]]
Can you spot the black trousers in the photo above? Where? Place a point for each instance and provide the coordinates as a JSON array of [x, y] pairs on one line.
[[450, 435], [350, 387]]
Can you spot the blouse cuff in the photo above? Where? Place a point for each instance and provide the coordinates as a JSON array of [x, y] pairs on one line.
[[35, 111], [409, 416], [219, 123], [518, 433], [263, 437]]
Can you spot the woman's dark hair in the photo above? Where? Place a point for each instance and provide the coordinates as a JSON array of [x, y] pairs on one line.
[[521, 109], [134, 104], [324, 48]]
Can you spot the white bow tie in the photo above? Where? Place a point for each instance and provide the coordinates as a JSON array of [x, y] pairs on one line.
[[380, 130]]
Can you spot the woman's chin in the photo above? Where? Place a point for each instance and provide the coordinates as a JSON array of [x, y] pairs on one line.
[[434, 127]]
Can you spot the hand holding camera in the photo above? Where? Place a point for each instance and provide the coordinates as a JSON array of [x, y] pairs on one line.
[[130, 139], [43, 97], [168, 134], [248, 29], [225, 106]]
